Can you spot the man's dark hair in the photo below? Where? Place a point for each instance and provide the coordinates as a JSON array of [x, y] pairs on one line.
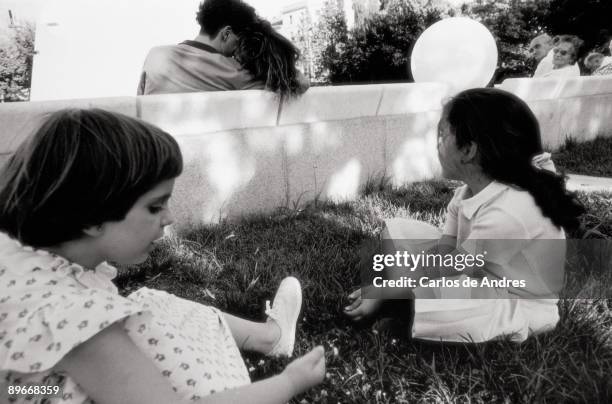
[[216, 14]]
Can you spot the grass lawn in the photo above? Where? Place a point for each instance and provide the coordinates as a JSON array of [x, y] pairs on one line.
[[587, 158], [237, 266]]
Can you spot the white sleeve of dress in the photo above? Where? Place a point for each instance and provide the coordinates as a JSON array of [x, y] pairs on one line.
[[452, 213], [498, 235]]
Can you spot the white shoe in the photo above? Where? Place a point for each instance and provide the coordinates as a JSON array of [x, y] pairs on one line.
[[285, 311]]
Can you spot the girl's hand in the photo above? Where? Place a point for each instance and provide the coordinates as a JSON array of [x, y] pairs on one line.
[[306, 371], [360, 308]]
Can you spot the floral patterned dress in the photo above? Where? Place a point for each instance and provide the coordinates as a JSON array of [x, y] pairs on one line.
[[49, 305]]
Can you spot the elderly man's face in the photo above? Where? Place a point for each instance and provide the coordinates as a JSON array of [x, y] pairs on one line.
[[563, 55], [538, 49]]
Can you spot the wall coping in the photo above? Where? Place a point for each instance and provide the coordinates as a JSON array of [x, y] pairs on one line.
[[211, 112]]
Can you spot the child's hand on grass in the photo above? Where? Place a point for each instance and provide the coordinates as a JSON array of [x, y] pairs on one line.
[[306, 371], [361, 308]]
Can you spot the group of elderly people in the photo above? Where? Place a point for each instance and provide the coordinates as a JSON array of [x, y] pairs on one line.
[[558, 57]]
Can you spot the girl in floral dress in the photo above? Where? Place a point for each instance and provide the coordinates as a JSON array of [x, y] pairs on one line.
[[92, 186]]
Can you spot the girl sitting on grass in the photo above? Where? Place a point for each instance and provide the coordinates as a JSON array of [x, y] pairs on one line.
[[92, 187], [512, 212]]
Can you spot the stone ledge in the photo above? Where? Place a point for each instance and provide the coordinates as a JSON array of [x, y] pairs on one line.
[[320, 104], [207, 112], [408, 98], [19, 119]]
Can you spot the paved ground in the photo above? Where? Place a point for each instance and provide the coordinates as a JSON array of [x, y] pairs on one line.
[[586, 183]]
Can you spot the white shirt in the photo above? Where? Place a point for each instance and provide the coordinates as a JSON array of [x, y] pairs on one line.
[[192, 67], [567, 71], [545, 65], [520, 243], [605, 61]]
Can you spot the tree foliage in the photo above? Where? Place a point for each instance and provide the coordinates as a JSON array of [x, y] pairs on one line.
[[329, 39], [16, 54], [513, 24], [378, 47], [591, 20]]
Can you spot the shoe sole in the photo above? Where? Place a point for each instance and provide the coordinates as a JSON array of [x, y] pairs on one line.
[[296, 310]]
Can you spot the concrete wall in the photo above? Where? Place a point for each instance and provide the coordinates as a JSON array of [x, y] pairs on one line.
[[246, 152], [579, 107]]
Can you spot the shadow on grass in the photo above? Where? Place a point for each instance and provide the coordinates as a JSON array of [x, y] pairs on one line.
[[237, 266]]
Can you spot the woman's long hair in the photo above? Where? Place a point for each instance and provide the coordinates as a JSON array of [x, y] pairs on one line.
[[507, 134], [269, 57]]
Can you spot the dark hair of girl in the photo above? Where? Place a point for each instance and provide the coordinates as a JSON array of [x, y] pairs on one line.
[[507, 135], [81, 168], [270, 58]]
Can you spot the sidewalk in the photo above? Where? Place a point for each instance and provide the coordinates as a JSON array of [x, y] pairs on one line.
[[585, 183]]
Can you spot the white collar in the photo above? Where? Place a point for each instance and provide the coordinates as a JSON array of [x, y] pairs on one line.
[[100, 277], [472, 204]]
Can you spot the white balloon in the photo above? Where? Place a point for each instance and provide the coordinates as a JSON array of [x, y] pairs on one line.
[[458, 51]]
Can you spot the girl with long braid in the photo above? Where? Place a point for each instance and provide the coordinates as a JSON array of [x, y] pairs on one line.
[[512, 211]]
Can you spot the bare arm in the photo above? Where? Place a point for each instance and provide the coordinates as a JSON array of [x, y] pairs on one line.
[[111, 369], [447, 244]]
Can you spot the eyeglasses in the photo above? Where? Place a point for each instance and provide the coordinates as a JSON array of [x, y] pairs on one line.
[[560, 51]]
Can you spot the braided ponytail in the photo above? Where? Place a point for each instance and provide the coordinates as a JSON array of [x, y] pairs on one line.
[[507, 134]]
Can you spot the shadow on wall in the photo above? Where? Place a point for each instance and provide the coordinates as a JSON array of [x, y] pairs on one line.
[[228, 171], [244, 152], [242, 155], [231, 173], [208, 112]]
